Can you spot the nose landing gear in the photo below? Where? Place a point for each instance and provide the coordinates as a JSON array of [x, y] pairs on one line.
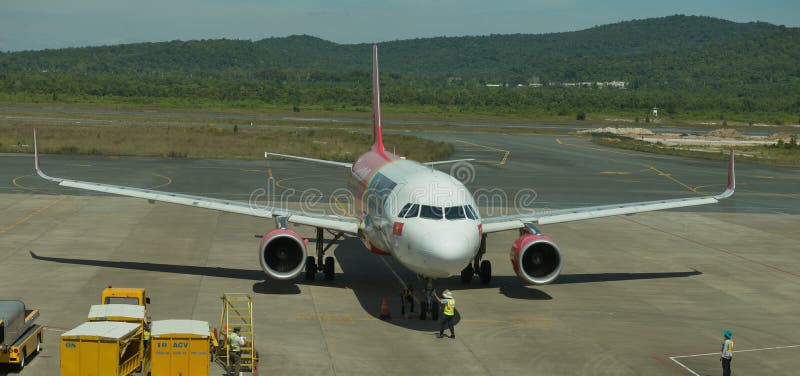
[[483, 268]]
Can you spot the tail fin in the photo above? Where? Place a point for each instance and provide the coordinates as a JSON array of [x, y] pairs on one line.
[[377, 132]]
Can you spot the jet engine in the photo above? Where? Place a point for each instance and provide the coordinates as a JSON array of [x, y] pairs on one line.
[[282, 253], [536, 259]]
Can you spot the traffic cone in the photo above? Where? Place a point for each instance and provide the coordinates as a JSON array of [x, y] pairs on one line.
[[385, 310]]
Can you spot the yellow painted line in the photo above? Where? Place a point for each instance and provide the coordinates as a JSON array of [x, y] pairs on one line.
[[14, 182], [503, 160], [279, 185], [340, 205], [615, 172], [669, 176], [269, 173], [79, 165], [29, 216], [559, 141]]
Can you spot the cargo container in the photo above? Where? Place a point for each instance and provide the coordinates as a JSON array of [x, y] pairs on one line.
[[180, 348], [102, 348], [20, 336]]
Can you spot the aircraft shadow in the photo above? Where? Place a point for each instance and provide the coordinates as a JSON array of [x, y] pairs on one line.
[[369, 277]]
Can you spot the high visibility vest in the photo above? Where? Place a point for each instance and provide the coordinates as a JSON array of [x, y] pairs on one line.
[[450, 307], [146, 335], [232, 341]]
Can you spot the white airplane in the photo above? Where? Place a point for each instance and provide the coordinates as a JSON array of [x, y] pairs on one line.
[[424, 218]]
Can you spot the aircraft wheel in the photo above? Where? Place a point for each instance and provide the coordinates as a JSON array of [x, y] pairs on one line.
[[467, 274], [486, 272], [311, 268], [423, 310], [330, 271]]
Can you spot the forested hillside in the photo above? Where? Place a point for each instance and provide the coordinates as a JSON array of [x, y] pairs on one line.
[[690, 66]]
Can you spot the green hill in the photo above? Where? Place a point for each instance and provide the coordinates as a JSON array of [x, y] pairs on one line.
[[688, 64]]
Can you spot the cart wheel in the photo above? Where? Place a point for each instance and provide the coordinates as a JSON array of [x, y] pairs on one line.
[[21, 364]]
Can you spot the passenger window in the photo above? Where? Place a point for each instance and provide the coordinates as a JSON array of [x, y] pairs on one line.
[[413, 212], [404, 210], [431, 212], [454, 212], [471, 214]]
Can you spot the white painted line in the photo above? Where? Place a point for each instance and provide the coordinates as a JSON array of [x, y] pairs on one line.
[[398, 277], [395, 273], [684, 367], [674, 358]]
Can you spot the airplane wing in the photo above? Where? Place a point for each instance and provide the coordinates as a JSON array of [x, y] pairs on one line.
[[344, 224], [306, 159], [434, 163], [511, 222]]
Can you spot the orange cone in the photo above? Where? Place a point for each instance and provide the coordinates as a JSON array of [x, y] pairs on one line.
[[384, 310]]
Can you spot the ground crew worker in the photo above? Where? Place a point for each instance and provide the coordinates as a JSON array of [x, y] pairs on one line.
[[727, 353], [448, 312], [235, 343], [406, 297], [146, 336]]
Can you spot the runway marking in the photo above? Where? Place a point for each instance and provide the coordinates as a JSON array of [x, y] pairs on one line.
[[614, 172], [169, 181], [669, 176], [14, 182], [29, 216], [674, 358], [279, 185], [79, 164], [559, 141], [503, 160], [649, 167]]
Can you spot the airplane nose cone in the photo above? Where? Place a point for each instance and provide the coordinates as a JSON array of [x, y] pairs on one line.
[[447, 253]]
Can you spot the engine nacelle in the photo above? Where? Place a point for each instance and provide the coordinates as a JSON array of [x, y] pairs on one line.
[[536, 259], [282, 253]]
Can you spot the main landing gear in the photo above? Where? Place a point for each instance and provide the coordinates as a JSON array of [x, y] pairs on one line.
[[483, 268], [324, 264]]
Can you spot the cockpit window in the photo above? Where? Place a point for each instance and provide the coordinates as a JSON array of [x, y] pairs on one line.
[[471, 213], [454, 212], [404, 210], [413, 212], [431, 212]]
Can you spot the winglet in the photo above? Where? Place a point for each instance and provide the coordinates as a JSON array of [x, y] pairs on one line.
[[731, 187], [36, 159], [377, 132]]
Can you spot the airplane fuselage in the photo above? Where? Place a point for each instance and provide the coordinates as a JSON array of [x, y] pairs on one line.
[[424, 218]]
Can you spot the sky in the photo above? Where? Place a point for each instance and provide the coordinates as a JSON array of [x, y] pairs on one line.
[[40, 24]]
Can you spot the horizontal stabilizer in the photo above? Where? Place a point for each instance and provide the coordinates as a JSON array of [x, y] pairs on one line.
[[306, 159]]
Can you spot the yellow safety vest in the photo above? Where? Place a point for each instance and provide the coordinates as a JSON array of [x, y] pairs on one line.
[[146, 335], [232, 341], [450, 307]]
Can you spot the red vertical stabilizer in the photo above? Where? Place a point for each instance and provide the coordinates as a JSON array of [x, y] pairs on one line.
[[377, 132]]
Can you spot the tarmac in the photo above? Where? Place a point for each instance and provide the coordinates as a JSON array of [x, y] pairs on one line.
[[643, 294]]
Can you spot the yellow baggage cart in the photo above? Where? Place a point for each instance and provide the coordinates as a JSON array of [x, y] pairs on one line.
[[180, 348], [102, 348]]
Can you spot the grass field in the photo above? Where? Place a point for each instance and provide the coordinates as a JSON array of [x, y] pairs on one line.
[[209, 141], [752, 154]]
